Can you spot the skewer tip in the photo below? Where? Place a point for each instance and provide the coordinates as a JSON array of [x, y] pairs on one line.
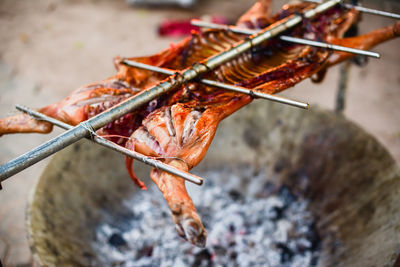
[[18, 106], [22, 108]]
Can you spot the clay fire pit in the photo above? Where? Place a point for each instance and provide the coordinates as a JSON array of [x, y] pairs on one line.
[[351, 181]]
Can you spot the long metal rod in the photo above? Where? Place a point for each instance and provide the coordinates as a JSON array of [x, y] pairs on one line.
[[286, 38], [365, 10], [106, 143], [373, 11], [225, 86], [330, 46], [80, 131]]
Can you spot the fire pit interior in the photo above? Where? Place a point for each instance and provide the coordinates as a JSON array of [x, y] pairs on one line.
[[283, 187]]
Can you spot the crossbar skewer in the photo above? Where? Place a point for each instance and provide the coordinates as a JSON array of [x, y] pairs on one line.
[[174, 81], [106, 143], [225, 86], [286, 38], [364, 9], [373, 11]]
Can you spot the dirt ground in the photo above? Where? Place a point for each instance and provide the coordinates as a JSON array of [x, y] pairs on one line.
[[49, 47]]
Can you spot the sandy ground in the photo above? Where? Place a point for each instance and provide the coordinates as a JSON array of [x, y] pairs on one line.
[[49, 47]]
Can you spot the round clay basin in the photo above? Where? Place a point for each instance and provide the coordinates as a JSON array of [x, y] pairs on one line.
[[351, 180]]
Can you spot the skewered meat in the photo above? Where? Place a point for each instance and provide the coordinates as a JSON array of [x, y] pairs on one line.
[[180, 125]]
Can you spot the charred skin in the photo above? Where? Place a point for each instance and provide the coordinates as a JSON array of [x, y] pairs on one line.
[[180, 125]]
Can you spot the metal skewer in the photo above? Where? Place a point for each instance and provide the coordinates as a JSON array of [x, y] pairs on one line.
[[225, 86], [330, 46], [106, 143], [364, 9], [286, 38], [82, 130], [373, 11]]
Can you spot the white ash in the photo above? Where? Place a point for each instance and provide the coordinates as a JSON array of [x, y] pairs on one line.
[[270, 227]]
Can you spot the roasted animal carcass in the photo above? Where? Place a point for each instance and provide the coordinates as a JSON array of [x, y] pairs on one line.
[[180, 125]]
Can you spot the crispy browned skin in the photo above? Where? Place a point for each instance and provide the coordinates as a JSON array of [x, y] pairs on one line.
[[180, 126]]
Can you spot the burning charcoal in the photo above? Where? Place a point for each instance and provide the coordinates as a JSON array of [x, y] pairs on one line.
[[313, 237], [232, 255], [179, 263], [268, 190], [203, 258], [277, 229], [219, 250], [146, 251], [244, 259], [302, 245], [278, 213], [286, 253], [286, 195], [282, 229], [302, 260], [117, 240], [235, 195]]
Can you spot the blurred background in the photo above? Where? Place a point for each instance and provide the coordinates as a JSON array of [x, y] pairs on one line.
[[48, 48]]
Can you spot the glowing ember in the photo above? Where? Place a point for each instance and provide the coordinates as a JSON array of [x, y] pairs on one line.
[[267, 227]]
